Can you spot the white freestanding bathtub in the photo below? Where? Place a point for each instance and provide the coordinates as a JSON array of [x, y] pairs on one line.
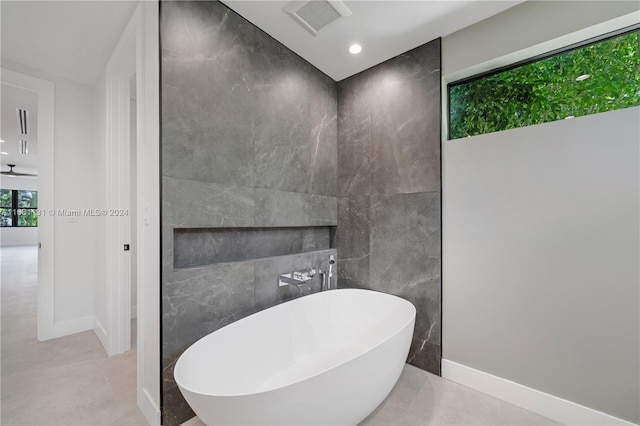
[[325, 359]]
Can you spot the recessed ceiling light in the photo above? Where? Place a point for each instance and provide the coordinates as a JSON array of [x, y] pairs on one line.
[[4, 153], [1, 141], [355, 49], [583, 77]]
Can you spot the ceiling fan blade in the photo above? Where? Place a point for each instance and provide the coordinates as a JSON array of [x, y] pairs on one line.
[[23, 174], [11, 172]]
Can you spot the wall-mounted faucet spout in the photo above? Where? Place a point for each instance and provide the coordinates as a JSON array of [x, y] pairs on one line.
[[296, 278], [332, 261]]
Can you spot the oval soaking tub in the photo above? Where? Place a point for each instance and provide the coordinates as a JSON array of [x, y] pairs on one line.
[[325, 359]]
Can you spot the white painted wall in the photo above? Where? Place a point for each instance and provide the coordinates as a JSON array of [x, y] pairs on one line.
[[81, 152], [76, 186], [29, 184], [541, 252], [18, 236], [541, 238], [100, 288], [532, 24], [144, 23], [148, 208]]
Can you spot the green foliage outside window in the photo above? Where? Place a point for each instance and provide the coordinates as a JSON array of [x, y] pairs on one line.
[[6, 206], [608, 74], [18, 208], [28, 199], [5, 198], [27, 217], [27, 203]]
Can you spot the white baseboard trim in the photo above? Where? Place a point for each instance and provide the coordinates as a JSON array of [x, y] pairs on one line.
[[78, 325], [552, 407], [101, 333], [148, 407]]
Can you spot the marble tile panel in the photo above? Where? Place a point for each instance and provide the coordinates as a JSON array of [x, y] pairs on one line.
[[354, 136], [354, 165], [324, 129], [279, 208], [283, 145], [197, 204], [354, 105], [354, 226], [317, 238], [205, 90], [202, 29], [167, 250], [197, 301], [295, 121], [354, 272], [175, 408], [277, 65], [267, 291], [426, 356], [207, 93], [405, 137], [420, 64], [220, 153], [405, 240], [426, 298]]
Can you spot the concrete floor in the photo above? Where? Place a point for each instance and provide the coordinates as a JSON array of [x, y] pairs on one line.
[[65, 381]]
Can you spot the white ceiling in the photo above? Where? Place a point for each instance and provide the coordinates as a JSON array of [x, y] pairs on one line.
[[74, 39], [71, 39], [384, 28], [12, 98]]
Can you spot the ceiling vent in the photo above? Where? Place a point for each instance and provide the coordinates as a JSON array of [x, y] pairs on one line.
[[317, 14], [23, 116]]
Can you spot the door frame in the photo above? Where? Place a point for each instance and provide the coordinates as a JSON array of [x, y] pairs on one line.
[[137, 53], [120, 69], [46, 324]]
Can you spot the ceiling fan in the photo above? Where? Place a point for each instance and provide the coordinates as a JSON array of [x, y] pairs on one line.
[[14, 174]]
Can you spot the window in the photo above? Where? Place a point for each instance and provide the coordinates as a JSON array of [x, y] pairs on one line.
[[18, 208], [600, 76]]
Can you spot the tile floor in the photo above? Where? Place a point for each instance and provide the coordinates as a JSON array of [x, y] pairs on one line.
[[421, 398], [71, 381], [65, 381]]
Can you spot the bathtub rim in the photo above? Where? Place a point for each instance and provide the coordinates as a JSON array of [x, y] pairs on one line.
[[311, 376]]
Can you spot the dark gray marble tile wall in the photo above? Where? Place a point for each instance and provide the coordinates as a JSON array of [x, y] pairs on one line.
[[249, 140], [389, 226], [197, 301], [255, 137]]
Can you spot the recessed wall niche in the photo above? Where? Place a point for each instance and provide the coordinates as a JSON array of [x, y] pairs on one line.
[[206, 246]]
